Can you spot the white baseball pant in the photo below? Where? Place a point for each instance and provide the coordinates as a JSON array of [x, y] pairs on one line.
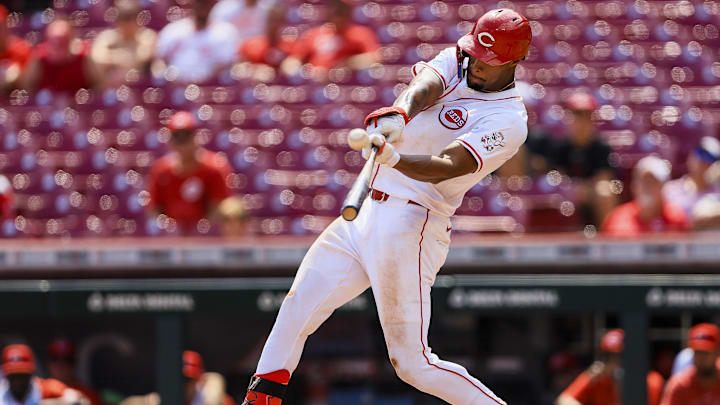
[[396, 248]]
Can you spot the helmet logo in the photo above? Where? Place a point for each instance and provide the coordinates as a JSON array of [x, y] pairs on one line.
[[481, 38]]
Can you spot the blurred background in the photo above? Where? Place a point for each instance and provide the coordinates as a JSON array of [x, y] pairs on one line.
[[144, 259]]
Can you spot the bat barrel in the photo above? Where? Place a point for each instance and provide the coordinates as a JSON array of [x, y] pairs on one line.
[[359, 190]]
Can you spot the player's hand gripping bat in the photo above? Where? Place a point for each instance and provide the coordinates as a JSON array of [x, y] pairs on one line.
[[358, 139]]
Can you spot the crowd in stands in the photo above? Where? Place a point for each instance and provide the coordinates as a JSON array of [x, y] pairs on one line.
[[89, 88]]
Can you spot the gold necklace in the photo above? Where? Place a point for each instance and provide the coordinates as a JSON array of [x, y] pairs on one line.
[[512, 83]]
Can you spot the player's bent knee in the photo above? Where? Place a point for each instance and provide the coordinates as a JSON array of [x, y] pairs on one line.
[[403, 371], [410, 365]]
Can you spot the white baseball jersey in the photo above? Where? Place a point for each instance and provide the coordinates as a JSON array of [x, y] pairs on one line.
[[397, 248], [491, 126]]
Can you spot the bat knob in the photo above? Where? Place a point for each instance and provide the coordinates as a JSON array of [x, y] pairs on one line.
[[349, 213]]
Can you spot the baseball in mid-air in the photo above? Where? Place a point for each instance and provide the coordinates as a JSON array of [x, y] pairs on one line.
[[358, 139]]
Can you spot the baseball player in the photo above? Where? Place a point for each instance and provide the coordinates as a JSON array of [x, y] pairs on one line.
[[459, 120]]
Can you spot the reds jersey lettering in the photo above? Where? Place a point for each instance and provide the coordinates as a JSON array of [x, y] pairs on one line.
[[453, 117]]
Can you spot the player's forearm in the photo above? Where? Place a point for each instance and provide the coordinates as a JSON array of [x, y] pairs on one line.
[[426, 168], [423, 91]]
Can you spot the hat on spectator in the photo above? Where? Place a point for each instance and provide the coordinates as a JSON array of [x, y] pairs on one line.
[[581, 102], [613, 341], [659, 168], [61, 349], [182, 120], [708, 149], [17, 359], [704, 337], [193, 366]]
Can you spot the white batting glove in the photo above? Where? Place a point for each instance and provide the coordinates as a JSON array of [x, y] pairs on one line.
[[386, 154], [390, 126]]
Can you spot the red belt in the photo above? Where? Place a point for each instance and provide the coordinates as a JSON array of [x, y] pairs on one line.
[[378, 195]]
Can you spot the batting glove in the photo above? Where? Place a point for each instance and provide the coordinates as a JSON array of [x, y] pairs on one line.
[[388, 121], [386, 154]]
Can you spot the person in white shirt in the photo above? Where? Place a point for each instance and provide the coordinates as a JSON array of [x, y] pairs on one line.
[[194, 49], [128, 46], [458, 121], [19, 386]]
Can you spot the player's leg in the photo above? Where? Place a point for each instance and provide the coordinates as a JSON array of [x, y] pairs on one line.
[[402, 273], [328, 277]]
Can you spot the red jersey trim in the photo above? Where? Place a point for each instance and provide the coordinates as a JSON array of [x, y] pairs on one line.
[[422, 321], [414, 70], [474, 152]]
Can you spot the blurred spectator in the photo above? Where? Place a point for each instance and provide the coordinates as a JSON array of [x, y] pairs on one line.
[[649, 211], [697, 184], [188, 184], [258, 24], [683, 360], [128, 46], [61, 62], [338, 42], [61, 366], [14, 54], [700, 383], [19, 386], [234, 217], [201, 387], [193, 49], [600, 383], [563, 367], [7, 198], [584, 157]]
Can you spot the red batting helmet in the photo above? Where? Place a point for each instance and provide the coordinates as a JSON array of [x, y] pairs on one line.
[[193, 365], [704, 337], [500, 36], [581, 102], [182, 120], [613, 341], [17, 359]]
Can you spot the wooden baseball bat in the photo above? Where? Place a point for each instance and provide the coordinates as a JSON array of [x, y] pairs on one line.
[[359, 190]]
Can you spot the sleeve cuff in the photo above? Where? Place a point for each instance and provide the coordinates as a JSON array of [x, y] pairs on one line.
[[472, 152], [415, 71]]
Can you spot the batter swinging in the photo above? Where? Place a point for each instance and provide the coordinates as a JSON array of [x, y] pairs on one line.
[[459, 120]]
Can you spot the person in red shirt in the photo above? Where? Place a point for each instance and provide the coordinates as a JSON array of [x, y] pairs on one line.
[[649, 211], [14, 54], [187, 184], [700, 383], [61, 63], [19, 386], [599, 384], [337, 42], [61, 366], [7, 199]]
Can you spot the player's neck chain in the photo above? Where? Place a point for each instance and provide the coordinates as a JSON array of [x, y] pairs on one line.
[[509, 85]]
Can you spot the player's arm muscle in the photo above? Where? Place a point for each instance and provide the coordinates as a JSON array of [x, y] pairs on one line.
[[452, 162], [422, 92]]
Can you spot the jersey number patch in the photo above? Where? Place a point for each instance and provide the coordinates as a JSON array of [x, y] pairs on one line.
[[453, 117]]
